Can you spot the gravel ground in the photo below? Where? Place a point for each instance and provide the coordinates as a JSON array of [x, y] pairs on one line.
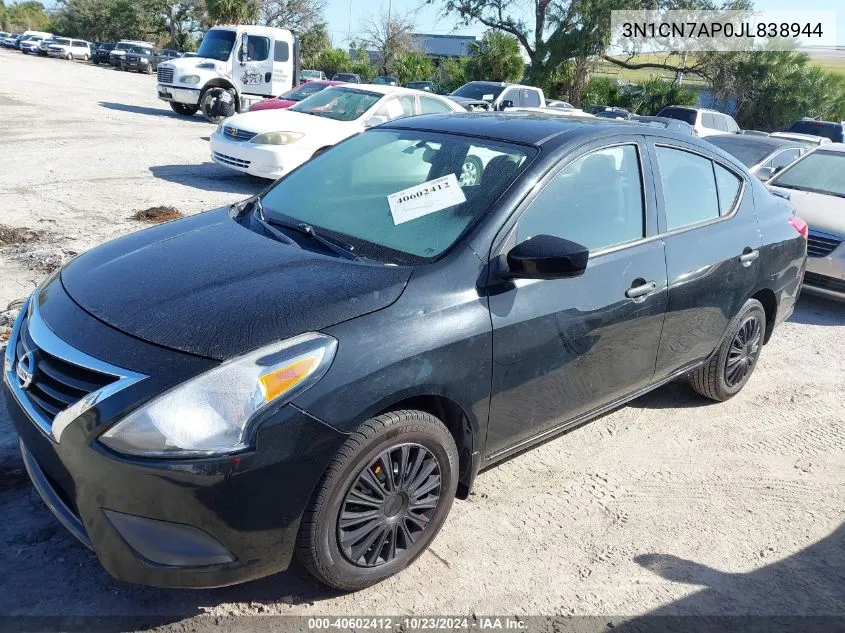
[[670, 505]]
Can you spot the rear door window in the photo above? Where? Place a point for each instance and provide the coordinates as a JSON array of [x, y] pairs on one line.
[[707, 120], [531, 99], [281, 52], [689, 187], [433, 106]]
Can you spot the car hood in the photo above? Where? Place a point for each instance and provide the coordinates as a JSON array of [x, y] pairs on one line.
[[206, 285], [285, 120], [820, 211]]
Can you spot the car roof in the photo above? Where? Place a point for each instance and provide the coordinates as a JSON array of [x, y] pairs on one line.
[[381, 88], [533, 128], [738, 140], [838, 148]]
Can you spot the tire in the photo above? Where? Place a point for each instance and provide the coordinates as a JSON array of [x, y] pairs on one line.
[[471, 171], [149, 70], [183, 108], [95, 62], [380, 445], [205, 104], [70, 57], [85, 57], [731, 365]]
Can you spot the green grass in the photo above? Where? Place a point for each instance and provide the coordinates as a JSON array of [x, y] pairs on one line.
[[832, 62]]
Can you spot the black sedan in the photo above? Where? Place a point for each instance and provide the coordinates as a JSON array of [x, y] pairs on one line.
[[200, 401], [764, 156]]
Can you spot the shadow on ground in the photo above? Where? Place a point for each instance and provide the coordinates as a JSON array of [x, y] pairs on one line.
[[210, 177], [802, 592], [814, 310], [158, 112]]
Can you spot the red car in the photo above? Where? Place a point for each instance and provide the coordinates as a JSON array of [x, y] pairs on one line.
[[290, 97]]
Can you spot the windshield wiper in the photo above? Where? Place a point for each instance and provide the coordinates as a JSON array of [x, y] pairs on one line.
[[258, 216], [338, 248]]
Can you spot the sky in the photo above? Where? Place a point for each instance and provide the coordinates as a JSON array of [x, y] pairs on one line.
[[428, 20]]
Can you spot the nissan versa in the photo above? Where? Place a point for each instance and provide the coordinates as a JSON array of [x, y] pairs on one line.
[[320, 374]]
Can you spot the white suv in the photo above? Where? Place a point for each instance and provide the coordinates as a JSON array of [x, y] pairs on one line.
[[69, 49], [703, 121]]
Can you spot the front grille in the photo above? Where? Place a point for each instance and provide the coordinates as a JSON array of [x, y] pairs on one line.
[[231, 160], [822, 244], [56, 383], [165, 75], [236, 134], [825, 283]]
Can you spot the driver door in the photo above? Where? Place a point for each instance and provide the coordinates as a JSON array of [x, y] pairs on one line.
[[564, 347], [254, 71]]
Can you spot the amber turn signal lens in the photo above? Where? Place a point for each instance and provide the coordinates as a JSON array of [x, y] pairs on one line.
[[278, 381]]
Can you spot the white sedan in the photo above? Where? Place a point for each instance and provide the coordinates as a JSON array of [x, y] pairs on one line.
[[271, 143]]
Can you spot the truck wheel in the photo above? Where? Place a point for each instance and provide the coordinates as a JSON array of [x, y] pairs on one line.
[[205, 104], [183, 108]]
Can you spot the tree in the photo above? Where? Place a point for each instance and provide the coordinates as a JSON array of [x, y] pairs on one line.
[[565, 38], [312, 42], [390, 35], [296, 15], [451, 74], [232, 11], [29, 15], [332, 61], [414, 66], [772, 88], [495, 58]]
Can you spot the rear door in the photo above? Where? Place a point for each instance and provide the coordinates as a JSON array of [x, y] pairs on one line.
[[564, 347], [709, 227]]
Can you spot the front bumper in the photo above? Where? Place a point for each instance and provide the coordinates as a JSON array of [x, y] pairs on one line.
[[177, 523], [56, 53], [137, 65], [265, 161], [825, 276], [188, 96]]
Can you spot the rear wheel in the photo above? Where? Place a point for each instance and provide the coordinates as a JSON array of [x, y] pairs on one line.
[[183, 108], [726, 372], [381, 502], [85, 57]]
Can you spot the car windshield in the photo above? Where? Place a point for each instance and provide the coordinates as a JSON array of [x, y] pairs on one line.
[[60, 41], [747, 151], [384, 81], [484, 92], [682, 114], [217, 44], [122, 47], [395, 195], [107, 47], [833, 131], [340, 104], [819, 171], [305, 90], [310, 73], [345, 77]]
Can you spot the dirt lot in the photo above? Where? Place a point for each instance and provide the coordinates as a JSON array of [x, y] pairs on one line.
[[670, 505]]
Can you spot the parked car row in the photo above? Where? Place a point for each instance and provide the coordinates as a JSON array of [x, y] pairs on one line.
[[125, 55]]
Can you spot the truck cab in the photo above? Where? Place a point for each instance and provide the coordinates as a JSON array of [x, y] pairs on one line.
[[250, 62], [494, 95]]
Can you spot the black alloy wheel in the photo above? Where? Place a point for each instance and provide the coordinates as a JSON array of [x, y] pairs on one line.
[[389, 506], [744, 350]]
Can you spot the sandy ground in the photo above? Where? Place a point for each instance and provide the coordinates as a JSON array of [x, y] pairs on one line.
[[671, 505]]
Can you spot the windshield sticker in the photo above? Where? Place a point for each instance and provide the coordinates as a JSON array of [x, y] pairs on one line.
[[487, 97], [429, 197]]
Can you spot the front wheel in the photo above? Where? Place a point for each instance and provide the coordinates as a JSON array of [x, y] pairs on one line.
[[381, 502], [70, 57], [206, 99], [731, 365], [471, 171], [85, 57], [183, 108]]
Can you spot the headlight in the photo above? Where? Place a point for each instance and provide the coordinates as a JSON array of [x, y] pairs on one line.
[[211, 414], [276, 138], [189, 79]]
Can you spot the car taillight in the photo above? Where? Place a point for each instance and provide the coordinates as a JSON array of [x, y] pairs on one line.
[[799, 225]]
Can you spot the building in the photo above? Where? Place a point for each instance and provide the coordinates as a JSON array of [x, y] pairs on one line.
[[434, 46]]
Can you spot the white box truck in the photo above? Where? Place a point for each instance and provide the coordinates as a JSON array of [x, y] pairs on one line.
[[251, 62]]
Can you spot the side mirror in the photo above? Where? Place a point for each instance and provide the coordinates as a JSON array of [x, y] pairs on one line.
[[546, 257], [375, 120], [765, 173], [507, 103], [244, 48]]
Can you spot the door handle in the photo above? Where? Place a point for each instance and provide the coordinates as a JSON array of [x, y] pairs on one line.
[[641, 289], [748, 256]]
